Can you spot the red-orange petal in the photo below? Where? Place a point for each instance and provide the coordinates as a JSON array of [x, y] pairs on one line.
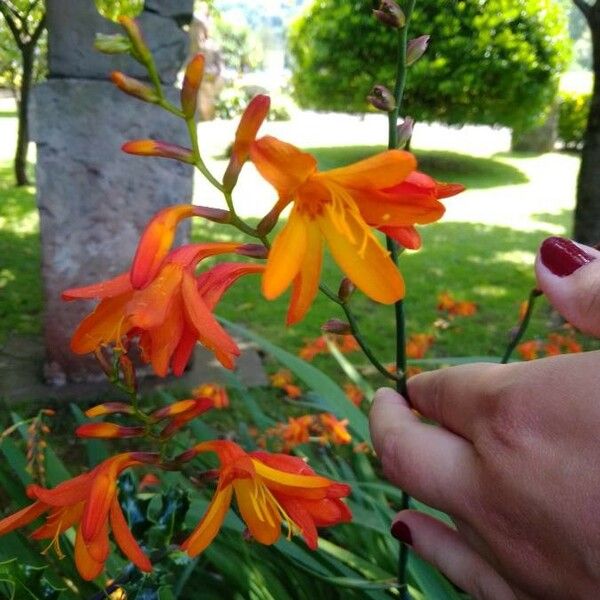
[[87, 566], [155, 243], [407, 237], [107, 431], [22, 517], [105, 289], [125, 540], [191, 85]]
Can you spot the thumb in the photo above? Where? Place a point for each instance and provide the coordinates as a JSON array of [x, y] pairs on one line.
[[569, 275]]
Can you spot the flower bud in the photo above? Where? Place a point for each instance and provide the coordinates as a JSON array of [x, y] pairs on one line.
[[174, 409], [405, 131], [107, 431], [112, 44], [217, 215], [159, 149], [134, 87], [138, 47], [336, 326], [390, 14], [253, 250], [381, 98], [191, 85], [109, 408], [128, 370], [416, 48], [346, 289]]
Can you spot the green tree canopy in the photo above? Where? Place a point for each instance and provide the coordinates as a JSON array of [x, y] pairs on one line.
[[493, 62]]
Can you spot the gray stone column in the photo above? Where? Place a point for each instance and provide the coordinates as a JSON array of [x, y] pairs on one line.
[[94, 200]]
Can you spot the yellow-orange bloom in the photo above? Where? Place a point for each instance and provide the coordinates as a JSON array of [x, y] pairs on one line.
[[339, 206], [334, 430], [353, 393], [89, 503], [418, 344], [269, 489]]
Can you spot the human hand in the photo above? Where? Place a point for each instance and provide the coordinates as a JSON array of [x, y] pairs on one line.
[[515, 460]]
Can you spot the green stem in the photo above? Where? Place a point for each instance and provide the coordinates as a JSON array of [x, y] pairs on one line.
[[393, 248], [352, 321], [522, 327]]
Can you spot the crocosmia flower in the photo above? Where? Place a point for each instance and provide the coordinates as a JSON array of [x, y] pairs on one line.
[[162, 301], [339, 207], [89, 503], [270, 489]]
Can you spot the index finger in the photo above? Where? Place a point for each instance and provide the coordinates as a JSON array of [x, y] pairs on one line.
[[456, 397]]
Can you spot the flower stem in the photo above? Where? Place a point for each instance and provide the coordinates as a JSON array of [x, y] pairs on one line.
[[352, 321], [522, 327], [399, 86]]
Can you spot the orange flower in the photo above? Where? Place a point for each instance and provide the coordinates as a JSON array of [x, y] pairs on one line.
[[89, 503], [295, 432], [348, 344], [252, 119], [339, 206], [313, 348], [217, 393], [418, 186], [269, 489], [529, 350], [561, 344], [447, 303], [353, 393], [283, 380], [334, 430], [181, 412], [418, 344], [162, 302]]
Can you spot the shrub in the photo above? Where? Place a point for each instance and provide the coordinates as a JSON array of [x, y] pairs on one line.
[[492, 62], [572, 120]]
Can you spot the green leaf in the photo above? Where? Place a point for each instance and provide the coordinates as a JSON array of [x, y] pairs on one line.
[[331, 394], [431, 582], [351, 371]]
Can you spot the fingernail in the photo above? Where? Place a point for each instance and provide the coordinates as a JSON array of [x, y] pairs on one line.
[[563, 257], [402, 533]]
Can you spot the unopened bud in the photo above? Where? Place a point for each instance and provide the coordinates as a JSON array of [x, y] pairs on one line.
[[109, 408], [191, 85], [346, 289], [134, 87], [269, 221], [174, 409], [112, 44], [405, 131], [253, 250], [128, 370], [217, 215], [381, 98], [139, 49], [159, 149], [390, 14], [336, 326], [107, 431], [416, 48]]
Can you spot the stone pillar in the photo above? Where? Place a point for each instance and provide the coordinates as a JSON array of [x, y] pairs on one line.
[[94, 200]]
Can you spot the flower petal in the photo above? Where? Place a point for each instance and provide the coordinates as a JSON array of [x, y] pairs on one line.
[[181, 355], [284, 166], [208, 330], [156, 242], [165, 338], [407, 237], [125, 540], [22, 517], [107, 323], [361, 257], [376, 172], [294, 508], [210, 524], [88, 567], [105, 289], [212, 284], [286, 256], [306, 282], [258, 510]]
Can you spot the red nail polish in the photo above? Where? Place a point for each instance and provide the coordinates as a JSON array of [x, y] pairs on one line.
[[563, 257], [401, 532]]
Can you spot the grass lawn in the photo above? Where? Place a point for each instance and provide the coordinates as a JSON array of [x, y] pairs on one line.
[[490, 264]]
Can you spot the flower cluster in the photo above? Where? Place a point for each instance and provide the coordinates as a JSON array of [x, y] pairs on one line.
[[448, 304], [344, 343], [553, 345]]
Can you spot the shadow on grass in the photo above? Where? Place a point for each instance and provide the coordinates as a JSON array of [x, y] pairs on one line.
[[474, 172], [20, 271]]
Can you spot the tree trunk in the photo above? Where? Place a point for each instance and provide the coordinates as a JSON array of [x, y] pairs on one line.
[[27, 56], [587, 211]]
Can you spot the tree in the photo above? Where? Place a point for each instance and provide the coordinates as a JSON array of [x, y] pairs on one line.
[[586, 227], [25, 19], [493, 62]]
